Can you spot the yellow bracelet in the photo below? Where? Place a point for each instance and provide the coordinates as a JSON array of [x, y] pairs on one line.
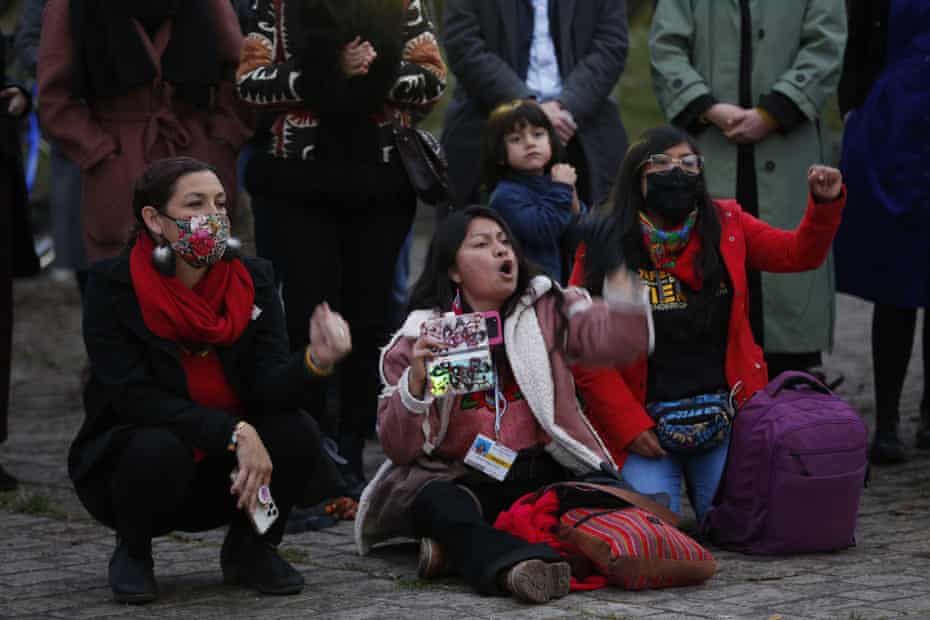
[[313, 368], [234, 438]]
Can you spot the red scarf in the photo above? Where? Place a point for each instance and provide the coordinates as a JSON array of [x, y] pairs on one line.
[[684, 268], [215, 312], [537, 523]]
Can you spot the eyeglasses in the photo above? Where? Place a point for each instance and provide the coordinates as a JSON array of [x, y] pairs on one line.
[[690, 164]]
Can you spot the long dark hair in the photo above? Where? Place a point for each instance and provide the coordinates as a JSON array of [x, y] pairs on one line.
[[626, 201], [504, 119], [323, 28], [434, 290]]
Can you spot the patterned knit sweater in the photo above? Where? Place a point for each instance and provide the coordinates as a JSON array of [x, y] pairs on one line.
[[291, 69]]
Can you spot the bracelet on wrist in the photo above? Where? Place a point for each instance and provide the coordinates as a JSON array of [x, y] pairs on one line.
[[234, 439], [314, 367]]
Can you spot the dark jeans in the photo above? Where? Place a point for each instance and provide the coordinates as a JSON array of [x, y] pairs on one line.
[[153, 486], [446, 512], [344, 253]]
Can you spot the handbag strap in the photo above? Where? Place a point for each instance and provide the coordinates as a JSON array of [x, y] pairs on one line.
[[630, 497]]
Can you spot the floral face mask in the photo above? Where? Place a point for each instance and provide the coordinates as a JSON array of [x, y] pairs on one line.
[[202, 239]]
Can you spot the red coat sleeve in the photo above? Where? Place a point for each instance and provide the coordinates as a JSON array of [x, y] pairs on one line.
[[616, 414], [577, 277], [612, 408], [787, 251]]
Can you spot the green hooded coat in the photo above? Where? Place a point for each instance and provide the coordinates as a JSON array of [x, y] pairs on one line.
[[797, 51]]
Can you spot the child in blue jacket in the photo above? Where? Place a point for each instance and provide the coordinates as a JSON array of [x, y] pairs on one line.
[[530, 186]]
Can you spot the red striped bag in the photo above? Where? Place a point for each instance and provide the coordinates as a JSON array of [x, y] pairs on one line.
[[635, 549]]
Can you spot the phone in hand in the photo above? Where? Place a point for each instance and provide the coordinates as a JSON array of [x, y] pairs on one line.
[[265, 512], [464, 364]]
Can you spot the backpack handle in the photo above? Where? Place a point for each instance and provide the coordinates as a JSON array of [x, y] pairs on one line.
[[791, 379]]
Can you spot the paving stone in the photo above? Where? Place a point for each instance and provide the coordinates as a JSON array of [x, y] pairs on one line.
[[616, 610]]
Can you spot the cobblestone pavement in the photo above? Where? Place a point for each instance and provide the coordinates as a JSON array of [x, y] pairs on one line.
[[53, 558]]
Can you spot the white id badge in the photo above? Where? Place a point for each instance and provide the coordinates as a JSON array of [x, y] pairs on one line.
[[490, 457]]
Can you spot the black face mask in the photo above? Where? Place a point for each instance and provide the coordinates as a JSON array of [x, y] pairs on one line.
[[671, 195]]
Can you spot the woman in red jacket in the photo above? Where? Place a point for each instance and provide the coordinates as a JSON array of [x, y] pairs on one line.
[[692, 253]]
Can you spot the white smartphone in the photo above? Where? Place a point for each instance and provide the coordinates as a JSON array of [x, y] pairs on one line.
[[264, 515], [265, 512]]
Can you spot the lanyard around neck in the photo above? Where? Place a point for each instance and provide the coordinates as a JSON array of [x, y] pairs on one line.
[[499, 409]]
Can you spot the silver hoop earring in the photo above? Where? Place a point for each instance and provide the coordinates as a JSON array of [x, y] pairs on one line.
[[233, 249], [163, 259]]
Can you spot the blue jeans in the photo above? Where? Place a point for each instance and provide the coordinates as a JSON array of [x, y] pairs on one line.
[[701, 472]]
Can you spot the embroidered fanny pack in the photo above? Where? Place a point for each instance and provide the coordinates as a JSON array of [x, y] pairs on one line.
[[695, 424]]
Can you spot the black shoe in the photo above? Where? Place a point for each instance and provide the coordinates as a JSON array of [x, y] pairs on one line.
[[7, 481], [248, 560], [132, 576], [887, 449]]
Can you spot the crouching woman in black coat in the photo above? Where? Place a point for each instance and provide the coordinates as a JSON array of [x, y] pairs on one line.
[[192, 378]]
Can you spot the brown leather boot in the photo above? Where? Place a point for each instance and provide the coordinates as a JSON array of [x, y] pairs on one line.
[[432, 564], [536, 581]]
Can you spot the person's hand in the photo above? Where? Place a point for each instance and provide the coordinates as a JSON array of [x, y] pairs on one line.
[[623, 284], [357, 57], [330, 337], [424, 349], [561, 119], [576, 202], [16, 101], [564, 173], [826, 183], [254, 467], [725, 115], [647, 445], [751, 128]]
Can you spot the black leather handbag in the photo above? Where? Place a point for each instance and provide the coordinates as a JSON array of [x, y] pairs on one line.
[[425, 162]]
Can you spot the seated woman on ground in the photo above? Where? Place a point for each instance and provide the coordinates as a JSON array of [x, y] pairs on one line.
[[692, 253], [426, 489], [191, 380]]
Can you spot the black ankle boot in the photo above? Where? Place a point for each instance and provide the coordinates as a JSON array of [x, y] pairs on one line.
[[132, 575], [248, 560], [7, 481], [923, 427], [887, 449]]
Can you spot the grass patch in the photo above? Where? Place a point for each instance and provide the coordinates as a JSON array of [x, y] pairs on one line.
[[34, 504]]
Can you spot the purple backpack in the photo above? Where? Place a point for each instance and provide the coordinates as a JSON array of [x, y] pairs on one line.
[[794, 474]]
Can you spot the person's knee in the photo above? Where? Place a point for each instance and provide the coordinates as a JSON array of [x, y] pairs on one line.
[[651, 476], [156, 454], [441, 504]]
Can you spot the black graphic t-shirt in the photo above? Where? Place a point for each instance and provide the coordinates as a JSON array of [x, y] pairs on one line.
[[690, 351]]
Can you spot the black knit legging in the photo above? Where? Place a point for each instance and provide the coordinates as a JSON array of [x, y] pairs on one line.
[[893, 331]]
